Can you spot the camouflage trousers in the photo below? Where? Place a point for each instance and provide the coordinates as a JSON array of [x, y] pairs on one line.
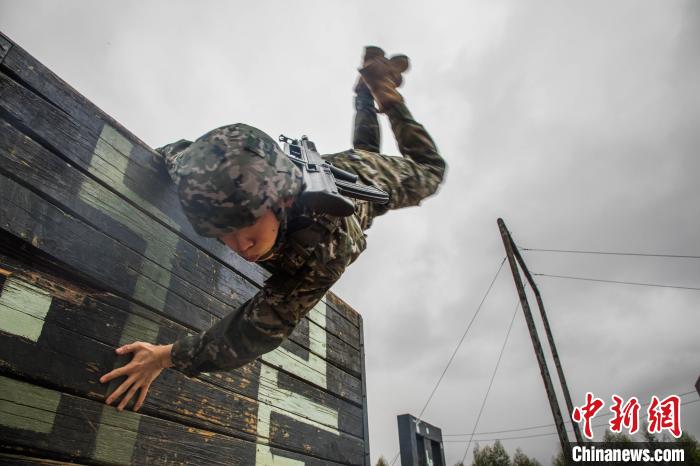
[[408, 179]]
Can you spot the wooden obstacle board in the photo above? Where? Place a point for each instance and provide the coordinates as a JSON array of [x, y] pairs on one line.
[[95, 252]]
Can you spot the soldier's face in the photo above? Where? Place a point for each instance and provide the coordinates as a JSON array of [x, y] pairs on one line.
[[253, 242]]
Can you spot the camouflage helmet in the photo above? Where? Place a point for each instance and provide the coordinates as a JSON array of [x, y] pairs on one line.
[[231, 176]]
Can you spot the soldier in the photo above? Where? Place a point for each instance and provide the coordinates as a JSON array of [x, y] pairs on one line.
[[236, 184]]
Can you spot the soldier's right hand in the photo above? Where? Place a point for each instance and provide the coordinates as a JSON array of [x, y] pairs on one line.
[[145, 366]]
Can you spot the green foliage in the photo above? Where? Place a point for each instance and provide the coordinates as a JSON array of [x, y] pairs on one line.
[[521, 459], [612, 437], [493, 455], [692, 448], [687, 442], [382, 461], [559, 460]]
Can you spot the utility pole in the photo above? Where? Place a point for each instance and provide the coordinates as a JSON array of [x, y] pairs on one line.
[[539, 353], [550, 339]]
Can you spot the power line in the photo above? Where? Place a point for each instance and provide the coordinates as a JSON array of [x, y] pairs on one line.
[[548, 434], [678, 287], [461, 340], [504, 431], [541, 426], [611, 253], [493, 376], [454, 353]]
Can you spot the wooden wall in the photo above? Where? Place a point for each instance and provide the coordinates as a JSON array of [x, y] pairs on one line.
[[95, 252]]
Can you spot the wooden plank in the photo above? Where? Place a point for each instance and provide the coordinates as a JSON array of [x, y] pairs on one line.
[[119, 438], [173, 396], [8, 459], [86, 314], [343, 309], [169, 256], [97, 256], [365, 407], [338, 325], [5, 46], [306, 396], [167, 252], [91, 120]]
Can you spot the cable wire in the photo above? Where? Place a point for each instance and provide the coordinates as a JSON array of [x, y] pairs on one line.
[[587, 279], [493, 376], [611, 253], [461, 340], [454, 353]]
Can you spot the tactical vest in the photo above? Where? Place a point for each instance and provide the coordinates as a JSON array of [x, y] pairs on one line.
[[302, 236]]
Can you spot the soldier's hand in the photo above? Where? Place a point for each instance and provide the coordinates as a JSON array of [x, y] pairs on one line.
[[145, 366]]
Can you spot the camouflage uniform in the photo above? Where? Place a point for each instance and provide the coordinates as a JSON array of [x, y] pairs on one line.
[[313, 250]]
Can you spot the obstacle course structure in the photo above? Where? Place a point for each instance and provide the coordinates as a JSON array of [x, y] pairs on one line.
[[420, 443], [95, 252]]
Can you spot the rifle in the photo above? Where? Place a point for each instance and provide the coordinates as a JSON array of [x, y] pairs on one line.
[[326, 187]]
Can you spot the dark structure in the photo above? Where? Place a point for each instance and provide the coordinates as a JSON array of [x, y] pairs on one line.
[[420, 442], [95, 252], [515, 259]]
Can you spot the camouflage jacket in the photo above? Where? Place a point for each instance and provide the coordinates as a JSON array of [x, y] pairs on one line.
[[310, 255]]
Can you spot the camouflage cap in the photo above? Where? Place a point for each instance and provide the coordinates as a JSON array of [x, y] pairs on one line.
[[230, 177]]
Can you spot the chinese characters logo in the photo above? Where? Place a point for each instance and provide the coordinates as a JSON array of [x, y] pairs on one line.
[[661, 414]]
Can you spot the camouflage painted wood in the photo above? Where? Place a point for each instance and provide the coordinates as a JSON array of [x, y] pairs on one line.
[[96, 252]]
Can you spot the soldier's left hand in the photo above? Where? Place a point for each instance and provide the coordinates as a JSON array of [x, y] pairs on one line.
[[145, 366]]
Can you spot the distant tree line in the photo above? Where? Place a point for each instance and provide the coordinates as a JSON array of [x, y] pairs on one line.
[[496, 455]]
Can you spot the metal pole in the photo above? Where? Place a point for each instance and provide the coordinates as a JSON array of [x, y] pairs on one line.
[[549, 388], [550, 339]]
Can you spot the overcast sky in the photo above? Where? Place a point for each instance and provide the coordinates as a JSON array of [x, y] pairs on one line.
[[577, 122]]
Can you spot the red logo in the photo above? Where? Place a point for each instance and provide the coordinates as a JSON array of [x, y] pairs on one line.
[[586, 413], [625, 416], [665, 415], [661, 415]]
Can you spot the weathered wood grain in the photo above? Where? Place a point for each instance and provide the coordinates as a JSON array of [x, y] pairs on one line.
[[338, 325], [89, 316], [365, 407], [89, 251], [77, 350], [8, 459], [82, 127], [77, 367], [29, 163], [80, 429], [5, 46], [344, 309], [102, 208], [173, 396]]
